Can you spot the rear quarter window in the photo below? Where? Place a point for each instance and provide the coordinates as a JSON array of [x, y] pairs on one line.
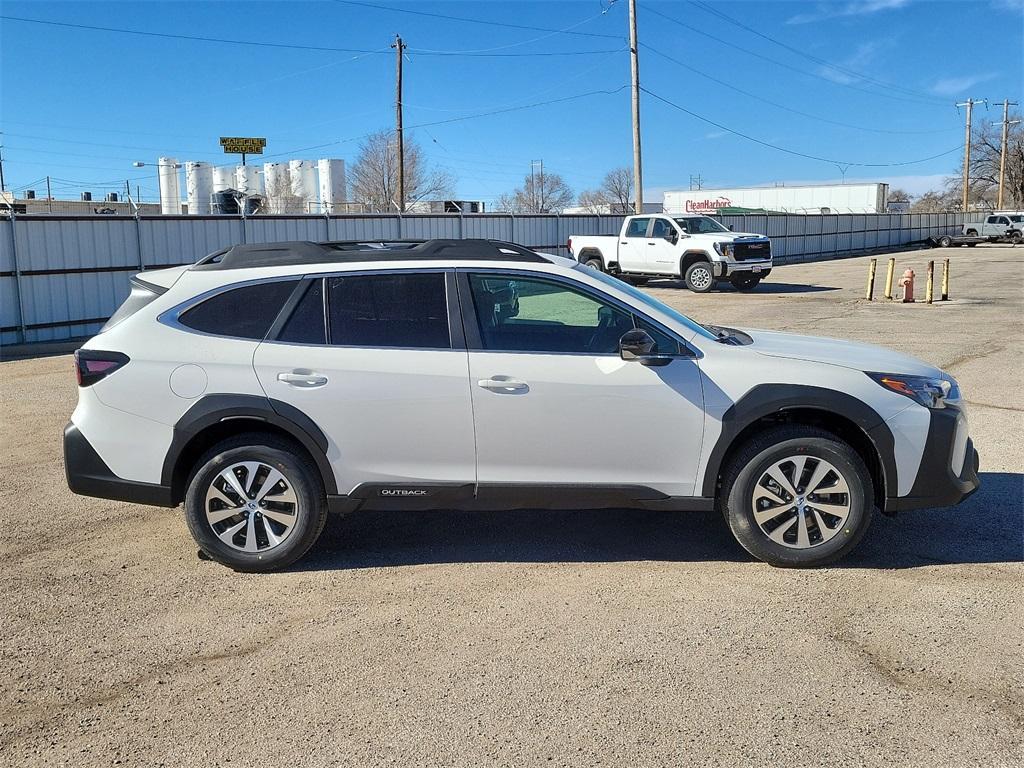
[[245, 313]]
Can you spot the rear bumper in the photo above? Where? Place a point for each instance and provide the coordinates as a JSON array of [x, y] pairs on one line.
[[938, 483], [88, 475]]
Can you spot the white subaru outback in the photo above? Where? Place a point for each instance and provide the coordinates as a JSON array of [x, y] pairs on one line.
[[268, 384]]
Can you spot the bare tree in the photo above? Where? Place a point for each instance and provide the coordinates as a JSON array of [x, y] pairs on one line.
[[899, 195], [281, 198], [374, 175], [542, 192], [615, 195]]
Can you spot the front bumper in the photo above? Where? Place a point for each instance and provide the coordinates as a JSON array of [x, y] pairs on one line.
[[939, 482], [89, 475], [730, 268]]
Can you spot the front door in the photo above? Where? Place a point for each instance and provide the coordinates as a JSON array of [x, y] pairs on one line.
[[554, 404], [381, 378]]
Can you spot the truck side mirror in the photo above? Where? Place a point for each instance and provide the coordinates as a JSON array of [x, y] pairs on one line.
[[731, 228], [672, 236]]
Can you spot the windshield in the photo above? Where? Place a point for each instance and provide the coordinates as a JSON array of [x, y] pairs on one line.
[[699, 225], [649, 301]]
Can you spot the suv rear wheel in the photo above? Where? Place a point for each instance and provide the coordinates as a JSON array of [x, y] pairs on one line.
[[255, 503], [797, 497]]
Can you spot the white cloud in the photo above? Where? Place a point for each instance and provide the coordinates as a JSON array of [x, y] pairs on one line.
[[860, 59], [716, 134], [853, 8], [954, 86]]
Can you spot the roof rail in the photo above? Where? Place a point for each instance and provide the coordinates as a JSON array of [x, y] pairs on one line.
[[298, 252]]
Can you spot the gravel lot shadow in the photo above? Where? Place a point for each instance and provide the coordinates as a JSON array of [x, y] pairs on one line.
[[987, 528], [768, 287]]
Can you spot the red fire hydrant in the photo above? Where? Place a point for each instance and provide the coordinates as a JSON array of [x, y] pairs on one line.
[[907, 283]]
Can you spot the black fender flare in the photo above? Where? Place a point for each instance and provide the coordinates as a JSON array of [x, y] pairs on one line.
[[588, 253], [767, 399], [210, 410]]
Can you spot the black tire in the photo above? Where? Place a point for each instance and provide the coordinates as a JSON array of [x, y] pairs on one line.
[[972, 233], [745, 282], [595, 263], [750, 464], [700, 277], [945, 241], [299, 473], [1016, 236]]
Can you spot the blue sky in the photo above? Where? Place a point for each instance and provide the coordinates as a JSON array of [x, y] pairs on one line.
[[875, 81]]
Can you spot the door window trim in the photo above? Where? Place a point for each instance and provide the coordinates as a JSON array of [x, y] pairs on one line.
[[455, 326], [470, 322]]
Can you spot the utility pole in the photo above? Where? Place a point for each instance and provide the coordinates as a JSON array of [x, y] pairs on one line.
[[967, 149], [399, 47], [696, 179], [1007, 122], [3, 186], [634, 61], [49, 197]]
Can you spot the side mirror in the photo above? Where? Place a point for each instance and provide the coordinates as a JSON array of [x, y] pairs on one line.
[[638, 346], [731, 228], [672, 236]]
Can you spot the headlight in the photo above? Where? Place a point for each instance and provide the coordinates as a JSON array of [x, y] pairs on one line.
[[724, 248], [931, 392]]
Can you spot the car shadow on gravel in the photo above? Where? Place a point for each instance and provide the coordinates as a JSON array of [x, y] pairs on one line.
[[986, 528]]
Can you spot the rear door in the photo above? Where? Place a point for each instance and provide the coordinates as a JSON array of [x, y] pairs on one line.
[[375, 361], [554, 403], [633, 244], [662, 252]]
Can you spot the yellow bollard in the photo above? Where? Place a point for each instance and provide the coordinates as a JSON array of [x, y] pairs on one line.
[[945, 280], [871, 280], [889, 274], [929, 286]]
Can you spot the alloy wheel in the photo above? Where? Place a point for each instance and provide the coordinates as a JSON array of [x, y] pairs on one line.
[[251, 506], [701, 278], [801, 502]]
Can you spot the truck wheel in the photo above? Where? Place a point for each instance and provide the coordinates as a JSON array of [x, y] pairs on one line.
[[797, 496], [255, 503], [745, 282], [972, 233], [945, 241], [700, 277], [595, 263], [1016, 236]]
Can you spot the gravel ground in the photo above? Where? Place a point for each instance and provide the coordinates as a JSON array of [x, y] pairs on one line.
[[525, 638]]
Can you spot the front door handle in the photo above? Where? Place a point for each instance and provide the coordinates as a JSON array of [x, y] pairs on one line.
[[504, 384], [302, 378]]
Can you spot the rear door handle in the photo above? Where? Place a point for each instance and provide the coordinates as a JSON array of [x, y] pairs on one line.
[[302, 378], [504, 384]]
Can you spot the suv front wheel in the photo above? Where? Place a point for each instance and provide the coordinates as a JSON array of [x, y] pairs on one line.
[[699, 276], [797, 497], [255, 503]]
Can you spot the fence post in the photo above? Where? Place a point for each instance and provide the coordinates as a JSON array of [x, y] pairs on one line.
[[138, 241], [399, 225], [512, 227], [327, 227], [17, 282]]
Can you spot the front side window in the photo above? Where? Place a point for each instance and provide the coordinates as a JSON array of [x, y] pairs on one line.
[[516, 314], [245, 313], [388, 310], [637, 228], [662, 229]]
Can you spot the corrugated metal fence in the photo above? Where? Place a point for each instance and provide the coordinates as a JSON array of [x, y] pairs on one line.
[[61, 277]]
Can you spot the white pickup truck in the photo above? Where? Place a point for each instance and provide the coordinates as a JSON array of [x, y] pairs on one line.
[[695, 248]]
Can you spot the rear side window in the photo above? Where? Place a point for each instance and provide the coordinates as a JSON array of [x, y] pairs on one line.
[[637, 228], [393, 310], [140, 296], [244, 313]]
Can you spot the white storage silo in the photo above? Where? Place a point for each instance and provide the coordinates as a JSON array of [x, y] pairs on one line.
[[223, 177], [198, 187], [303, 175], [277, 185], [170, 189], [249, 179], [332, 185]]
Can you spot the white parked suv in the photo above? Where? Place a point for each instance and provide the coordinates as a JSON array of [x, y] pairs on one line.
[[696, 249], [268, 384]]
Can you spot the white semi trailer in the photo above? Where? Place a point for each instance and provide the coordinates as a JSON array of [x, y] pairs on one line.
[[811, 199]]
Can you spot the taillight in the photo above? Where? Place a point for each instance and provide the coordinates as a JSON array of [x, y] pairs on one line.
[[91, 365]]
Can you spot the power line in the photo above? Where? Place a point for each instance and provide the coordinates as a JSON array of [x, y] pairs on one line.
[[793, 151], [838, 68], [478, 21], [714, 79], [732, 46]]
